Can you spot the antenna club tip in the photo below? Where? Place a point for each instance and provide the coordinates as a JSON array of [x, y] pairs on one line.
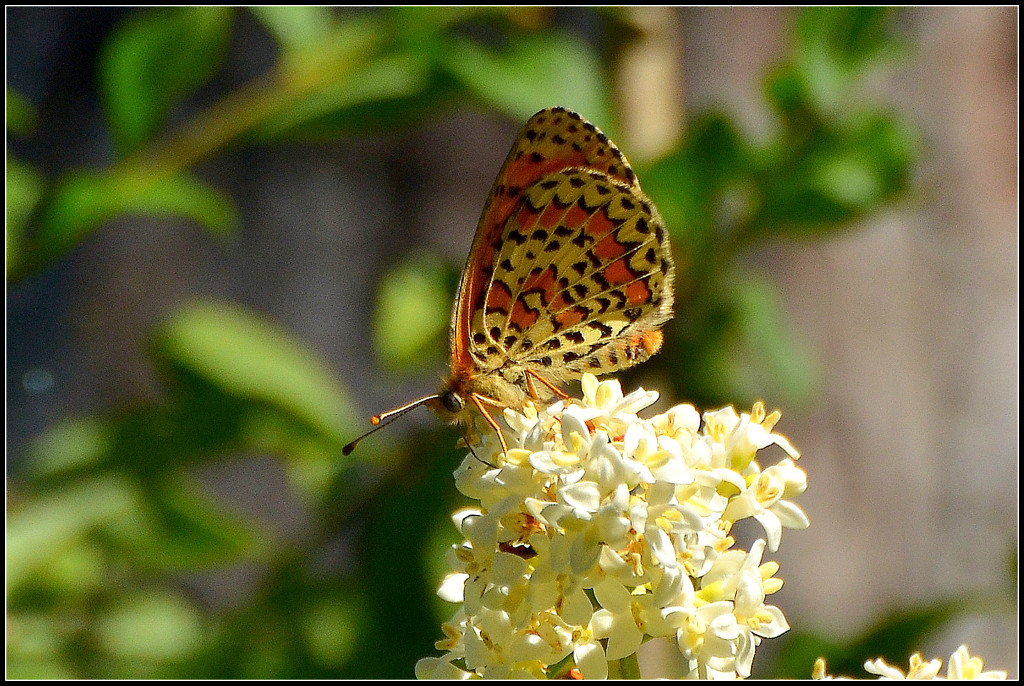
[[347, 450], [375, 419]]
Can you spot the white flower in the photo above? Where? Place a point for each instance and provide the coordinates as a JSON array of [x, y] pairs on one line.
[[597, 529], [765, 499], [963, 666], [919, 669]]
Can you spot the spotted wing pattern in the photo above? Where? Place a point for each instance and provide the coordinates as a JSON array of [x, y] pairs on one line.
[[571, 268]]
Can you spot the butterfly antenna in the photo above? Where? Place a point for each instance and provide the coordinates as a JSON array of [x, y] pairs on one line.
[[381, 420]]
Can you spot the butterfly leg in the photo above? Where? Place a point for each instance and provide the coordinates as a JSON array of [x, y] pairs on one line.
[[479, 401], [531, 375]]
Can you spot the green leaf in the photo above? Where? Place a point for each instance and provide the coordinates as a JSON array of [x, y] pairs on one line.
[[384, 79], [330, 627], [836, 46], [893, 638], [82, 201], [35, 646], [25, 188], [250, 358], [21, 115], [152, 61], [535, 71], [69, 446], [836, 174], [179, 528], [296, 29], [732, 345], [411, 320], [688, 184], [185, 196], [50, 523], [767, 359], [149, 626]]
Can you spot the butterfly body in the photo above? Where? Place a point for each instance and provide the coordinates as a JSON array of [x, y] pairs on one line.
[[570, 272]]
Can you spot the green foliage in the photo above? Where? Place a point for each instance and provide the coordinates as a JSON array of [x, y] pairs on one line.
[[832, 158], [155, 59], [109, 519], [21, 116], [410, 326], [531, 72], [82, 201]]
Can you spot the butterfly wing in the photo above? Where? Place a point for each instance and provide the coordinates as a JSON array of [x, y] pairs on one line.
[[570, 270], [553, 140], [581, 282]]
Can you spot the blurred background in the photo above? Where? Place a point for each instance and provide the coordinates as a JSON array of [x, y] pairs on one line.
[[233, 235]]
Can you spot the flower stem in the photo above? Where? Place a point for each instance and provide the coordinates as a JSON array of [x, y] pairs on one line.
[[624, 668]]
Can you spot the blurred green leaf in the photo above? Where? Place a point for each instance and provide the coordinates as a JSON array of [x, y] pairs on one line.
[[34, 643], [403, 518], [296, 29], [786, 92], [732, 345], [180, 529], [425, 22], [839, 175], [248, 357], [410, 323], [39, 530], [77, 574], [837, 45], [534, 71], [149, 626], [21, 116], [316, 115], [82, 201], [363, 77], [69, 446], [153, 60], [25, 188], [687, 184], [185, 196], [330, 627]]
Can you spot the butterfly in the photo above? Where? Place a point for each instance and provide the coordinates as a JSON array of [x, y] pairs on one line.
[[570, 272]]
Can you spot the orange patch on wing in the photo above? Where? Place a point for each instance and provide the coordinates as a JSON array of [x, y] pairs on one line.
[[600, 225], [576, 217], [618, 273], [651, 341], [638, 292], [546, 283], [558, 302], [540, 280], [609, 248], [551, 216], [572, 317], [527, 217], [522, 316], [499, 297], [641, 346]]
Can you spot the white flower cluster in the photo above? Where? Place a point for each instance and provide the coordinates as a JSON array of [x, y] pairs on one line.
[[599, 529], [962, 667]]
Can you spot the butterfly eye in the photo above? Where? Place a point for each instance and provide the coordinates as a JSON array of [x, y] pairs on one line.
[[453, 402]]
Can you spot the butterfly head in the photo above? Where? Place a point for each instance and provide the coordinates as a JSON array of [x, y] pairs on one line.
[[449, 405]]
